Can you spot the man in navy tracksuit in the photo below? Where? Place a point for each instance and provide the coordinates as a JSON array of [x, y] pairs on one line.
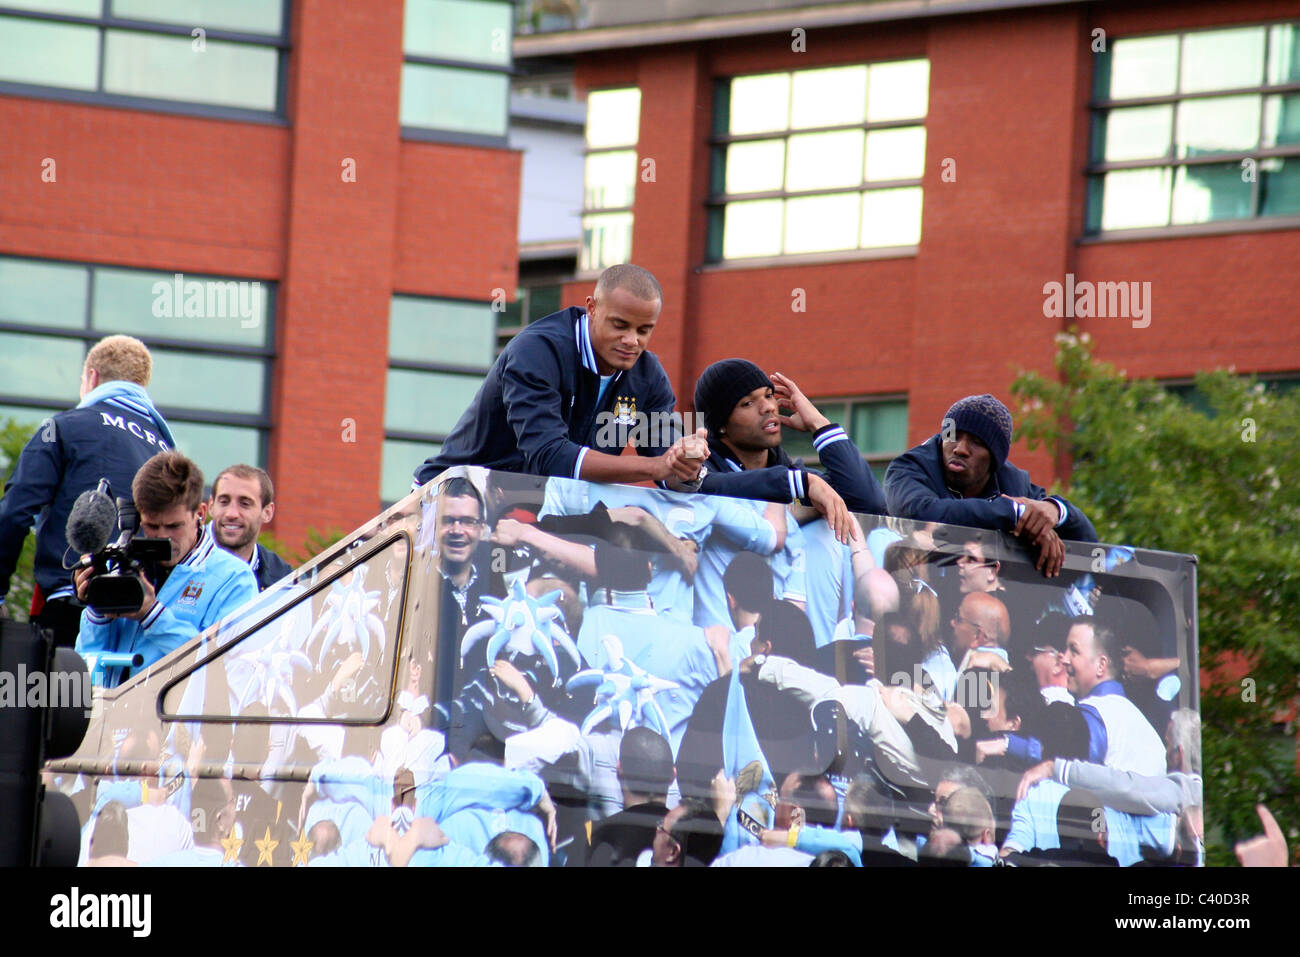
[[962, 477], [741, 408], [548, 404], [110, 434]]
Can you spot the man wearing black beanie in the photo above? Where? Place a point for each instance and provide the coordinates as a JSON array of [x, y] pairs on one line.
[[961, 476], [741, 407]]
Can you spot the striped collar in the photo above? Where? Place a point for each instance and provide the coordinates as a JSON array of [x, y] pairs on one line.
[[582, 332], [202, 548], [256, 560]]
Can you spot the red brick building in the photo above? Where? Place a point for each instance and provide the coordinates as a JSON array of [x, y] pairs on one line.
[[1015, 128], [320, 159]]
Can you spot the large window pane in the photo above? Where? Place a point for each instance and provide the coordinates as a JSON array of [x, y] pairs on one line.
[[1139, 66], [1139, 132], [439, 97], [824, 160], [471, 30], [1222, 59], [895, 154], [43, 294], [1283, 54], [1219, 124], [398, 466], [606, 240], [455, 333], [427, 401], [191, 380], [755, 167], [831, 97], [799, 445], [214, 447], [220, 311], [891, 217], [613, 117], [49, 54], [1282, 120], [1279, 187], [544, 300], [753, 229], [821, 223], [610, 179], [1203, 194], [879, 427], [760, 103], [898, 91], [1135, 198], [40, 367], [223, 74], [243, 16]]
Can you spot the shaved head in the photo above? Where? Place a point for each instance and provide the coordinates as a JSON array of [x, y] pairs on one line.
[[990, 614], [639, 282]]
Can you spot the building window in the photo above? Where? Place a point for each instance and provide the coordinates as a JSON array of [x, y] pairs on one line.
[[456, 69], [1277, 383], [613, 125], [1195, 127], [438, 353], [222, 58], [210, 338], [877, 426], [531, 303], [818, 161]]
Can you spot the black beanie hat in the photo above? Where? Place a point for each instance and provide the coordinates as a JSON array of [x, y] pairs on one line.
[[721, 386], [984, 417]]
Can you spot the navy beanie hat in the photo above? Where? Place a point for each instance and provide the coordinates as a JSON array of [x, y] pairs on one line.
[[721, 386], [984, 417]]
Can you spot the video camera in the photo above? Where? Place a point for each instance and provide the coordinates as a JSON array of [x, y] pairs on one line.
[[115, 586]]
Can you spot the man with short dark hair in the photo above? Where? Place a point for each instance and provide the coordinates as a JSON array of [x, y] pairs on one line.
[[645, 771], [460, 529], [243, 500], [198, 585], [110, 434], [961, 476], [544, 406], [741, 407]]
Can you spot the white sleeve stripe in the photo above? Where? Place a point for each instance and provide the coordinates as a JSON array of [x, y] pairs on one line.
[[577, 466], [826, 438], [791, 476]]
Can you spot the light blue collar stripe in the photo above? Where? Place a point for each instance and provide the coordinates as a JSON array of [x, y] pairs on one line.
[[584, 344]]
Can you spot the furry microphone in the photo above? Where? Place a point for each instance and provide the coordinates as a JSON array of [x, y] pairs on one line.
[[92, 521]]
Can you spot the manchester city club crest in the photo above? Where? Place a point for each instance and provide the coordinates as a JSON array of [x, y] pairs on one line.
[[625, 410], [191, 592]]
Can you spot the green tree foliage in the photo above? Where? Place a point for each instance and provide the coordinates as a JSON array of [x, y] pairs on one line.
[[1214, 477], [13, 436]]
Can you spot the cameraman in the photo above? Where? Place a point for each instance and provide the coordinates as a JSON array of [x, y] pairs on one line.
[[110, 434], [199, 584]]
